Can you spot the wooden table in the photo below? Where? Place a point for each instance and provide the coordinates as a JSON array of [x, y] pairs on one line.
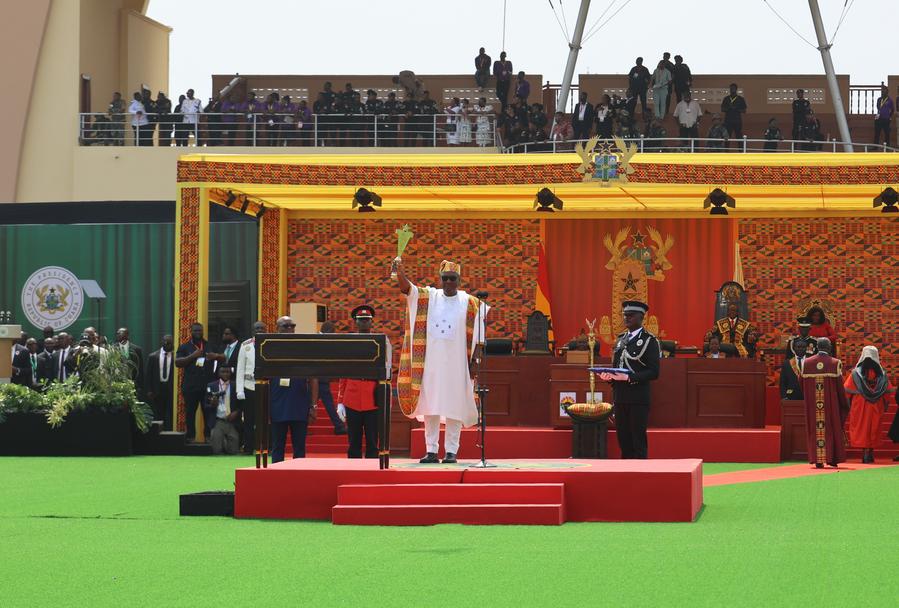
[[519, 389], [690, 393]]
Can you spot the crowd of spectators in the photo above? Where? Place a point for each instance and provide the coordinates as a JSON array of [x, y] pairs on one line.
[[412, 117], [614, 116]]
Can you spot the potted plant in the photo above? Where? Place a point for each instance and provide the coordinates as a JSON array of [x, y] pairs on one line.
[[88, 414]]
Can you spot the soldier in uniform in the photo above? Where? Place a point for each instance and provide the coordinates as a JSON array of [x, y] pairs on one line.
[[637, 351], [357, 399], [804, 324]]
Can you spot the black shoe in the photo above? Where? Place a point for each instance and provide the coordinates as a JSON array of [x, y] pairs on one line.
[[895, 458], [430, 458], [450, 458], [340, 430], [819, 465]]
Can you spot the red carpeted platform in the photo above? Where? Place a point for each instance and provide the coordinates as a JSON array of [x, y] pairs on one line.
[[517, 491], [708, 445]]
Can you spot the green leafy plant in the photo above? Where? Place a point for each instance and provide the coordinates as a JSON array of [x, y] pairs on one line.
[[104, 382], [18, 398]]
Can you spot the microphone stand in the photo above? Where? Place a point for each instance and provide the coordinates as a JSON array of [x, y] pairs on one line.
[[482, 390]]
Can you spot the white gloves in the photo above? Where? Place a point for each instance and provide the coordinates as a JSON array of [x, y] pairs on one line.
[[241, 395], [341, 412]]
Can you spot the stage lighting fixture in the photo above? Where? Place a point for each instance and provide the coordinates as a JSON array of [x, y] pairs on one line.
[[718, 200], [888, 198], [364, 199], [230, 199], [260, 212], [546, 200], [245, 205]]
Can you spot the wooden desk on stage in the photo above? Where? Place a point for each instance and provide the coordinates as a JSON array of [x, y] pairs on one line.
[[690, 393], [519, 390]]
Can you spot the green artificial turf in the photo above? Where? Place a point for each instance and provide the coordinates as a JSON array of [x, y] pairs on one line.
[[106, 532]]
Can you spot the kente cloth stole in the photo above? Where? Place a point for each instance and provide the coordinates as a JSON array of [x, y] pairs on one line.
[[820, 442], [412, 356], [740, 328]]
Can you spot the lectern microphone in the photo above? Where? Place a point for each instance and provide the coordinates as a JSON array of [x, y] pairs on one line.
[[481, 295]]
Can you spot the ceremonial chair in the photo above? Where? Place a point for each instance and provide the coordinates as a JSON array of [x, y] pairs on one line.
[[536, 341], [499, 346], [326, 357]]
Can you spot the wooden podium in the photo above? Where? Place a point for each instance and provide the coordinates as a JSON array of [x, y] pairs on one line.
[[9, 335], [324, 356]]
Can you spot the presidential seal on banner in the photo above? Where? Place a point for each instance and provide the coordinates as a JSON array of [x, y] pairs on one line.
[[52, 297], [633, 265]]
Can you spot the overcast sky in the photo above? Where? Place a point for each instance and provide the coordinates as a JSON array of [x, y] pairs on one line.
[[386, 36]]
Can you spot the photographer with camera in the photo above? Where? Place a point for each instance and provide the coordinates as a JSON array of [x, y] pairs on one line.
[[221, 398]]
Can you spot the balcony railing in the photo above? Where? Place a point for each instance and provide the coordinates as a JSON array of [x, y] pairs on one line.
[[255, 130], [674, 144]]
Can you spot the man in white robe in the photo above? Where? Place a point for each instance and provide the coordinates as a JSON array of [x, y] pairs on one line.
[[441, 352]]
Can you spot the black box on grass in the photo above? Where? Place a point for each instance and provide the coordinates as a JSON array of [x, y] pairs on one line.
[[218, 503]]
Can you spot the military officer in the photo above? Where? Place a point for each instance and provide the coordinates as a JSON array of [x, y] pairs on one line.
[[637, 351]]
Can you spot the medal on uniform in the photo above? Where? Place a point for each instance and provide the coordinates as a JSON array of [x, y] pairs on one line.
[[640, 342]]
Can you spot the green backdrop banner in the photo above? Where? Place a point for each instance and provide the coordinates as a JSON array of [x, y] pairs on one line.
[[132, 263]]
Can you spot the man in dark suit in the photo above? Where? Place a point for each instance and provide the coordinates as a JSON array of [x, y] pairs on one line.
[[292, 407], [45, 361], [47, 333], [62, 369], [158, 379], [582, 117], [230, 348], [135, 355], [791, 371], [637, 351], [24, 365], [195, 362]]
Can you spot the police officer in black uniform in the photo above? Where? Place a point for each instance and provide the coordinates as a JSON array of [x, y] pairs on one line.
[[638, 351]]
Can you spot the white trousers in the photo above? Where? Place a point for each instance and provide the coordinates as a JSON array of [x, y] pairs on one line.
[[450, 439]]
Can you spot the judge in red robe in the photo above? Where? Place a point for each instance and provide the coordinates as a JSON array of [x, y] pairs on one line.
[[826, 406], [870, 392], [821, 328]]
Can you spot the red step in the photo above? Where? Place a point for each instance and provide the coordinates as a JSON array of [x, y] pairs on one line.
[[451, 493], [453, 503], [429, 515]]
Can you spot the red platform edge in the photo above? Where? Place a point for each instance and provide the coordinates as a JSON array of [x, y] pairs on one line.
[[708, 445], [595, 490]]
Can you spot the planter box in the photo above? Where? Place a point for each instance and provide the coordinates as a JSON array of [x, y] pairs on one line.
[[84, 433]]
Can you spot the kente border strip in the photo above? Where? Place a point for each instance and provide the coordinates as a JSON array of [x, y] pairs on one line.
[[348, 175], [269, 276], [671, 173], [187, 282]]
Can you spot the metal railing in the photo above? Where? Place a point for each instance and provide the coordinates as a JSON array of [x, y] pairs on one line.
[[281, 129], [687, 145], [863, 99]]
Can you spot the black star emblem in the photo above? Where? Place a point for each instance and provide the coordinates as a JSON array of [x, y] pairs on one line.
[[630, 283], [639, 239]]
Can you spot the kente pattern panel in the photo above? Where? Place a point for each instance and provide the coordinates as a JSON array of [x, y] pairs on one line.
[[852, 263], [343, 264], [187, 282]]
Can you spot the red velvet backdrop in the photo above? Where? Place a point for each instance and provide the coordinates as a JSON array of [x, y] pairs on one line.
[[701, 258]]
